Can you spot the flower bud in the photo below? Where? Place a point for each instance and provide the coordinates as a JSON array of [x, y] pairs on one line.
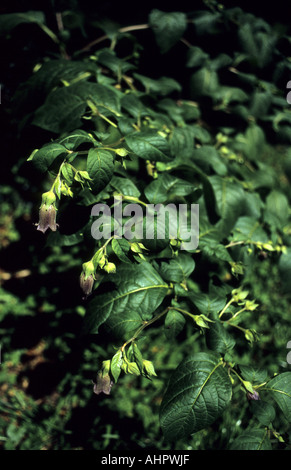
[[47, 213], [110, 268], [149, 367], [253, 396]]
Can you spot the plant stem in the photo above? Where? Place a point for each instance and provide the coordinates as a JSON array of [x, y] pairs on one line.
[[182, 311], [125, 29], [235, 372], [143, 326], [226, 307], [237, 313]]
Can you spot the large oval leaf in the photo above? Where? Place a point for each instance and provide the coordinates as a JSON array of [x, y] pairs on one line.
[[100, 167], [253, 439], [280, 389], [149, 145], [197, 394], [44, 157], [167, 27], [139, 292]]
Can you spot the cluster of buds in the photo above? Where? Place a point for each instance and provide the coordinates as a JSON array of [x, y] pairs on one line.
[[88, 276], [47, 212]]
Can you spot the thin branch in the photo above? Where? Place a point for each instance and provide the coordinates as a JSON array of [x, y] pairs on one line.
[[60, 23], [125, 29]]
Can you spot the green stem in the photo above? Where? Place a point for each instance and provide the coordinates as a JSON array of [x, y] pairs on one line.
[[142, 327], [133, 199], [103, 248], [231, 244], [237, 313], [226, 307], [228, 322], [182, 311], [107, 120], [237, 375], [57, 177]]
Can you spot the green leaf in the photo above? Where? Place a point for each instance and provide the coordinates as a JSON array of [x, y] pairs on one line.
[[197, 394], [182, 141], [207, 22], [260, 104], [219, 340], [52, 74], [228, 94], [196, 57], [277, 203], [280, 390], [11, 20], [263, 411], [149, 145], [230, 198], [216, 250], [252, 143], [61, 112], [204, 82], [207, 303], [58, 239], [187, 165], [253, 439], [162, 86], [134, 106], [44, 157], [167, 187], [68, 173], [253, 374], [108, 58], [257, 41], [124, 186], [156, 235], [115, 365], [174, 323], [249, 228], [177, 269], [285, 269], [167, 27], [121, 248], [64, 107], [208, 156], [76, 138], [138, 357], [139, 290], [100, 167]]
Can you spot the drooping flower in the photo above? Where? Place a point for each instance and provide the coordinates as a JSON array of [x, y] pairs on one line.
[[86, 283], [47, 213], [103, 384], [87, 278]]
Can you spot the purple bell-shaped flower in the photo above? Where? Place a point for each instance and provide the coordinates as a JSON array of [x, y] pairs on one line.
[[47, 213]]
